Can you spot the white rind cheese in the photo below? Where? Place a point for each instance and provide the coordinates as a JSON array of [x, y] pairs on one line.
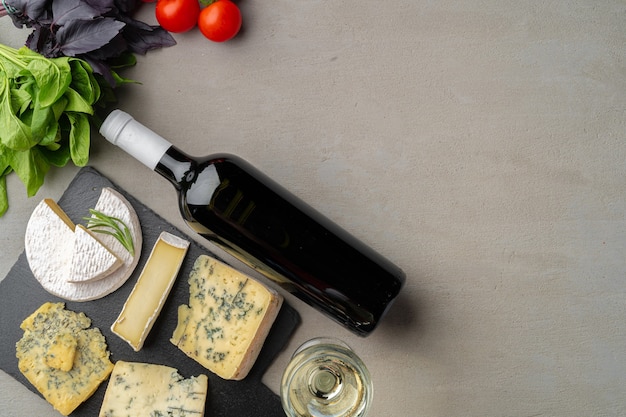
[[142, 389], [152, 288], [227, 320], [91, 260], [49, 244]]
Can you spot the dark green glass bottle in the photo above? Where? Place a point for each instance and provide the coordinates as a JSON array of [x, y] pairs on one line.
[[234, 205]]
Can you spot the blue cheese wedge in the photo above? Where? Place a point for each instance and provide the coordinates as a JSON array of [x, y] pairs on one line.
[[62, 356], [143, 389], [227, 320], [50, 248], [153, 286]]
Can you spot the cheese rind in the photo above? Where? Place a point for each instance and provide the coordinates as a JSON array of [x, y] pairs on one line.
[[152, 288], [91, 260], [65, 390], [48, 241], [142, 389], [49, 244], [227, 320]]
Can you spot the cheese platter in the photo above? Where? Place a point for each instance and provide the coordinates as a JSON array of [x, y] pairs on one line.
[[21, 293]]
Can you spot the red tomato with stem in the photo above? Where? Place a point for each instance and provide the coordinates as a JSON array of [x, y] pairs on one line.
[[220, 21], [177, 15]]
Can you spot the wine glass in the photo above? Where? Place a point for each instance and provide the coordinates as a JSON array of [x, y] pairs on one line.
[[325, 378]]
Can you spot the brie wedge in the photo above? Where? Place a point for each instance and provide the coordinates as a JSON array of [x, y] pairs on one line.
[[91, 260]]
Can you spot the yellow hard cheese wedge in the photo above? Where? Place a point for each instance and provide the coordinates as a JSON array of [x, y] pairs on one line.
[[151, 290], [227, 320], [142, 389], [43, 361]]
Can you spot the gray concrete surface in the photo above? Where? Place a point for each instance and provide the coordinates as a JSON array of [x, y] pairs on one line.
[[480, 145]]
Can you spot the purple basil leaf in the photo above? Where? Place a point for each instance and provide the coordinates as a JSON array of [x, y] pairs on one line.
[[142, 37], [112, 49], [145, 41], [82, 36], [68, 10], [28, 12], [20, 20], [42, 40], [127, 7], [33, 9], [101, 5], [100, 67]]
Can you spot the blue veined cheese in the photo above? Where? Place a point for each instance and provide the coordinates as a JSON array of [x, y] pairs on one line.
[[227, 320], [143, 389], [62, 351], [44, 362]]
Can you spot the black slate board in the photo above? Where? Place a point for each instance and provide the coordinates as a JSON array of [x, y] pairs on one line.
[[21, 294]]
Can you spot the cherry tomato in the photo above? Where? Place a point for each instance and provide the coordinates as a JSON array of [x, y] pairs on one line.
[[220, 21], [177, 15]]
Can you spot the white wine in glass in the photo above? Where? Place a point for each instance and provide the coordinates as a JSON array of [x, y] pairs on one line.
[[325, 378]]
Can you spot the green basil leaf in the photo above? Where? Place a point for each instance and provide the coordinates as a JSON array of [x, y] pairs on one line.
[[14, 133], [76, 102], [20, 99], [4, 196], [82, 83], [5, 169], [119, 80], [124, 60], [80, 137], [31, 167], [52, 138], [53, 77], [57, 157], [42, 119]]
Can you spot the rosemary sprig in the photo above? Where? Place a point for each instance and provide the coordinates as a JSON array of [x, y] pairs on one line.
[[108, 225]]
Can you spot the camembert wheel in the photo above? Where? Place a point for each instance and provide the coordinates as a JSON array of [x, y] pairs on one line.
[[51, 245]]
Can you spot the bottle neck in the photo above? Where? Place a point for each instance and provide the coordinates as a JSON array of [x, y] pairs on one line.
[[122, 130], [177, 167], [155, 152]]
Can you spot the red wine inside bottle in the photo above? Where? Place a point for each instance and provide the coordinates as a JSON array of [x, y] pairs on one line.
[[234, 205]]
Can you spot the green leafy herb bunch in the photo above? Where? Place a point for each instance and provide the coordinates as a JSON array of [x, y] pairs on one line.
[[45, 105], [68, 67]]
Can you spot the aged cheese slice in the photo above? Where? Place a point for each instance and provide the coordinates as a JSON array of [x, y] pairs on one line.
[[227, 320], [44, 330], [91, 260], [151, 290], [49, 244], [142, 389]]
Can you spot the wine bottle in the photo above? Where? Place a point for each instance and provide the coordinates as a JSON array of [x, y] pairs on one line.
[[234, 205]]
